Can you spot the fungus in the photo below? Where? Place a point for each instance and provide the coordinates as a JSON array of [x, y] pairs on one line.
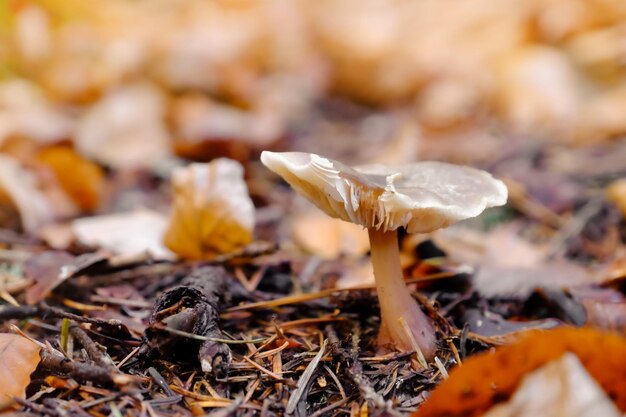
[[421, 197]]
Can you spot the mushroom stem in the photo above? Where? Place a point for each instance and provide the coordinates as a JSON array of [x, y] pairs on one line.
[[395, 299]]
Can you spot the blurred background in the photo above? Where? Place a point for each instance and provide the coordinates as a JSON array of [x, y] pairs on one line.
[[130, 82], [532, 90]]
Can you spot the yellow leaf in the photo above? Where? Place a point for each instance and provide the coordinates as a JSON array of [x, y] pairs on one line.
[[212, 212]]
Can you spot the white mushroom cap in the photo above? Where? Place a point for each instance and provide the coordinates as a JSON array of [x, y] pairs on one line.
[[421, 197]]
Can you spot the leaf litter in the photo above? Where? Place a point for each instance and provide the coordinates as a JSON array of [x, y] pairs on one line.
[[277, 316]]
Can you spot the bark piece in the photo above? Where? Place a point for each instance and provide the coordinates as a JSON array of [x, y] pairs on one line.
[[192, 308]]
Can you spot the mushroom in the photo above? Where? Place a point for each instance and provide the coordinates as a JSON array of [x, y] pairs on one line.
[[421, 197]]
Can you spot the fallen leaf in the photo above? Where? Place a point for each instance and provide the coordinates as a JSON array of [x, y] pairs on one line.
[[562, 387], [82, 180], [491, 377], [605, 307], [20, 196], [212, 212], [127, 234], [18, 359], [490, 324], [507, 264], [539, 90], [205, 129], [328, 237], [125, 129], [494, 281], [616, 193], [57, 235], [25, 112], [361, 273], [45, 270]]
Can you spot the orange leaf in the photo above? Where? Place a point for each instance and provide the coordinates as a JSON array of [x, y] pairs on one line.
[[492, 377], [18, 359], [82, 180]]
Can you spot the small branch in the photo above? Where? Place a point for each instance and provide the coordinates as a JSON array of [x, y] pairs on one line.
[[92, 348], [55, 362], [303, 383], [44, 311]]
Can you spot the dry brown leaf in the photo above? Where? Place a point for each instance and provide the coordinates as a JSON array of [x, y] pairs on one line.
[[606, 315], [507, 264], [560, 388], [18, 359], [45, 269], [128, 234], [20, 197], [212, 212], [81, 179], [605, 307]]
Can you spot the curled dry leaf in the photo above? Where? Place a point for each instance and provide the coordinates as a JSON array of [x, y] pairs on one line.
[[20, 197], [18, 359], [212, 212], [560, 388], [489, 378], [82, 180], [128, 234]]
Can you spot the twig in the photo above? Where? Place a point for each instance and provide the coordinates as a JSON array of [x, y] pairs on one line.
[[367, 391], [573, 228], [330, 407], [172, 397], [44, 311], [94, 352], [441, 367], [301, 298], [56, 362], [303, 383], [336, 380], [265, 371], [212, 339], [38, 408]]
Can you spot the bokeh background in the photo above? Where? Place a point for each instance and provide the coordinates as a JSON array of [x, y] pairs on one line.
[[101, 99], [104, 105], [130, 82]]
